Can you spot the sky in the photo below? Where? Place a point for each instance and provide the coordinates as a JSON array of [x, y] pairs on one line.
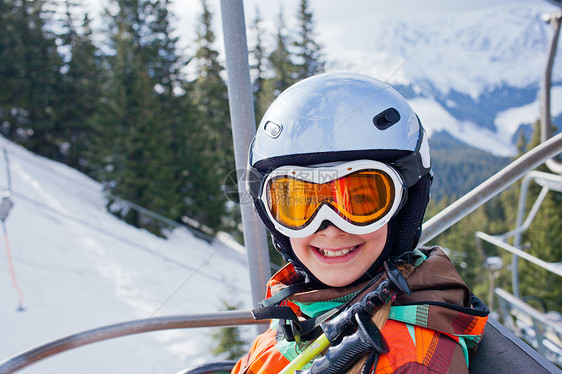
[[79, 268], [324, 11], [327, 11]]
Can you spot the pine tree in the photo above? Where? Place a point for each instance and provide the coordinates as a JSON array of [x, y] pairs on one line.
[[307, 49], [11, 66], [460, 244], [284, 69], [258, 68], [163, 64], [209, 143], [31, 66], [80, 90], [139, 160], [228, 342]]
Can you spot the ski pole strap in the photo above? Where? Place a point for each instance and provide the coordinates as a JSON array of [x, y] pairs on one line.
[[289, 324], [275, 312], [285, 293]]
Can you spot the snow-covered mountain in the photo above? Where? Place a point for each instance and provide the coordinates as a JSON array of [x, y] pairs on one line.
[[474, 73], [79, 268]]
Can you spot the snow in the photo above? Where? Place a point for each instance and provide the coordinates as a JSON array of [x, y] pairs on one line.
[[468, 51], [508, 121], [80, 268], [430, 112], [436, 118]]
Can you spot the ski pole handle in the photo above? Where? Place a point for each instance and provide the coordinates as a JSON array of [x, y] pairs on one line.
[[307, 355], [341, 357], [344, 355]]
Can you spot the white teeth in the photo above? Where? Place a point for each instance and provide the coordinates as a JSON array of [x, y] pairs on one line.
[[339, 253]]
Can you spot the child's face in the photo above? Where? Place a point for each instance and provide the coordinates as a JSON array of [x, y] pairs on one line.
[[338, 258]]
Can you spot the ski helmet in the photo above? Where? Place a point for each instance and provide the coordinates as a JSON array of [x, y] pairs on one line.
[[341, 117]]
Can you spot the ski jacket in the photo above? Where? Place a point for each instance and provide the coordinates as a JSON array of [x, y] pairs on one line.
[[435, 329]]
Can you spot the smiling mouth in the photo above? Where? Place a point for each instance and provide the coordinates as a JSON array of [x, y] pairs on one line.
[[338, 253]]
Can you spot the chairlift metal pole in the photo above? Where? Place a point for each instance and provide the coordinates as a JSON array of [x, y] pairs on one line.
[[546, 127], [243, 130]]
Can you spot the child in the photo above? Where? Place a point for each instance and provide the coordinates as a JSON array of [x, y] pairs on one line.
[[343, 179]]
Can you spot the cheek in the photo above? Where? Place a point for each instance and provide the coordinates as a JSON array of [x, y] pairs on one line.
[[299, 246], [377, 236]]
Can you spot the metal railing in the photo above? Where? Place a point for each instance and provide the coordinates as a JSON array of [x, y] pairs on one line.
[[227, 318], [490, 188], [548, 182], [538, 330], [541, 330]]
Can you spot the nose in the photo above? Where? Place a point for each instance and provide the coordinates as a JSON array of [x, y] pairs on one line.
[[328, 229], [324, 224]]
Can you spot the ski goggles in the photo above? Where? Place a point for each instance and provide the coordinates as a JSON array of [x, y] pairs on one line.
[[359, 197]]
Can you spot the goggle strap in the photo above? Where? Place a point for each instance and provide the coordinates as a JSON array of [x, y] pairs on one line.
[[255, 180], [411, 166]]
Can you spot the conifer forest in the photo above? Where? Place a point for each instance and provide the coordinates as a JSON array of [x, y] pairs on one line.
[[150, 121]]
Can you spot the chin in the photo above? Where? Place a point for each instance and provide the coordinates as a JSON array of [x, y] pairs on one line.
[[339, 282]]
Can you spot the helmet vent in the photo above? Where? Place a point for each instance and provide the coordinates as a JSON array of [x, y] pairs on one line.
[[386, 118], [272, 129]]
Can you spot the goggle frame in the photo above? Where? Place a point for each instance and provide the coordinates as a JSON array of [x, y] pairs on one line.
[[325, 211]]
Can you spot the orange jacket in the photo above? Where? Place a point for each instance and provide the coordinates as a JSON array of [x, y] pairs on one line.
[[430, 331]]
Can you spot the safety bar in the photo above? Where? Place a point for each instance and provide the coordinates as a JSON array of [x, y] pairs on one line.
[[490, 188], [227, 318], [537, 261]]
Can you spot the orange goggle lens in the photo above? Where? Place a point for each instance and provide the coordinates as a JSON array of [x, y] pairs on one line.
[[361, 198]]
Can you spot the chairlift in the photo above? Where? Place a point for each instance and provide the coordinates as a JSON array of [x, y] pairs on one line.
[[541, 329]]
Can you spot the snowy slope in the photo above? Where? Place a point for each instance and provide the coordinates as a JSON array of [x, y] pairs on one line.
[[80, 268]]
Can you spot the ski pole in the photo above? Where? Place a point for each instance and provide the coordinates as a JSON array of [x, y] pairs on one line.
[[5, 206], [12, 272], [343, 324]]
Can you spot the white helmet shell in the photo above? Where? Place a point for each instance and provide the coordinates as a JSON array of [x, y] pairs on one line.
[[336, 112]]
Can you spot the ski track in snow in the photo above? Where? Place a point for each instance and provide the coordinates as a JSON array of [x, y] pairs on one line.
[[80, 268]]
